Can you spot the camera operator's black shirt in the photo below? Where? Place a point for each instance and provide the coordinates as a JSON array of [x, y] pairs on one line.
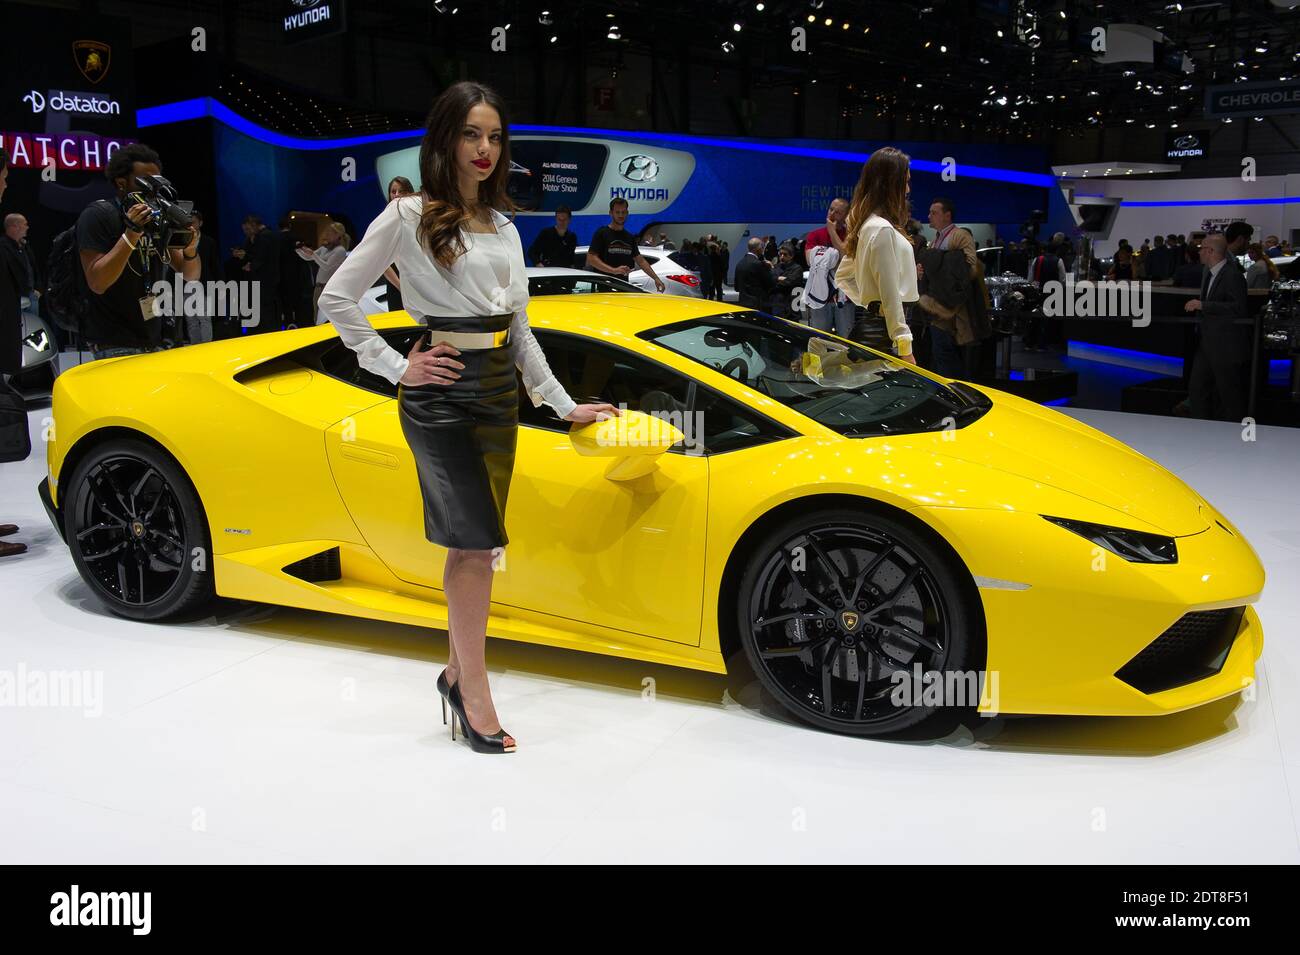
[[114, 318], [615, 247]]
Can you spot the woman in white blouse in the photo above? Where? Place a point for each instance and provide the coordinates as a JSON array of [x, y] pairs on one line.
[[462, 268], [878, 269], [327, 258]]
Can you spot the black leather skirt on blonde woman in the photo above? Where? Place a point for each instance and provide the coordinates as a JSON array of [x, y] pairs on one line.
[[869, 329], [463, 437]]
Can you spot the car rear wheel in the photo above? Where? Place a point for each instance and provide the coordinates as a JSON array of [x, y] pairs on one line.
[[857, 623], [137, 531]]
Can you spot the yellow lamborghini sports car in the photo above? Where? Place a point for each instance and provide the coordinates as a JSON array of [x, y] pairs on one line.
[[877, 540]]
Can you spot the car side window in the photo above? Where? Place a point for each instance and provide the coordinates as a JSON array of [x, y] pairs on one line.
[[339, 361], [595, 371]]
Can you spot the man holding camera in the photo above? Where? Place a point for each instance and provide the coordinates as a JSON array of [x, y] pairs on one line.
[[121, 258]]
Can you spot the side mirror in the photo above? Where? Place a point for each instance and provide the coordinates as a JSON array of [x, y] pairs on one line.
[[633, 440]]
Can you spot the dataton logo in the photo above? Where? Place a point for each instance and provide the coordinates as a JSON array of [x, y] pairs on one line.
[[638, 168], [62, 101]]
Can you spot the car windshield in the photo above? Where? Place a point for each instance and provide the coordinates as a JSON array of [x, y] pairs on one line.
[[844, 386]]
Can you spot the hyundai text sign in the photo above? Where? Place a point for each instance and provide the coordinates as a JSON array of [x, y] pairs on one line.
[[310, 19], [1184, 146], [1253, 99]]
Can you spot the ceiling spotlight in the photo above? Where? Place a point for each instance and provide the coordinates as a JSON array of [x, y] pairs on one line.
[[942, 48], [1173, 8], [439, 6], [554, 38], [545, 19], [758, 7], [736, 27], [1261, 46], [728, 46], [827, 23], [1258, 119], [614, 32]]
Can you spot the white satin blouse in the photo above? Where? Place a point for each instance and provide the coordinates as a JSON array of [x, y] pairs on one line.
[[489, 279]]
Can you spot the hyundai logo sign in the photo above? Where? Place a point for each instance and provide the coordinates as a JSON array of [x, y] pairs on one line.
[[638, 168], [1184, 146]]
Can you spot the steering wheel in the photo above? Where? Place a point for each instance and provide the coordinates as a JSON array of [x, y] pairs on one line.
[[734, 364]]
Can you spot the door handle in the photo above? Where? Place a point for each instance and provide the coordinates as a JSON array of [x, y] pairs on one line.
[[354, 452]]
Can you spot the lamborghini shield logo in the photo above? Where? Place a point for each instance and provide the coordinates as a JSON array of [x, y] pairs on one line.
[[92, 58], [849, 619]]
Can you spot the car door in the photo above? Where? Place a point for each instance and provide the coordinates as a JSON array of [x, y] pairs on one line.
[[622, 554], [627, 555]]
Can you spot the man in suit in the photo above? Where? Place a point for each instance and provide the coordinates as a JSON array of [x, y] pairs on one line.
[[954, 337], [1217, 387], [754, 280]]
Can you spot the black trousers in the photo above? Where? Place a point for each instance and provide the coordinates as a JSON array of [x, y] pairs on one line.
[[1217, 387]]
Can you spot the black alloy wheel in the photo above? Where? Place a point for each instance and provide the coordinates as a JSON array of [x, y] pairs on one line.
[[137, 531], [837, 609]]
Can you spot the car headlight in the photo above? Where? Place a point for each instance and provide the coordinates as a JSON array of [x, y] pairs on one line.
[[1136, 546]]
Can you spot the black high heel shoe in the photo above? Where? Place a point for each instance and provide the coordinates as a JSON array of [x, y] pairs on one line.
[[496, 743], [444, 689]]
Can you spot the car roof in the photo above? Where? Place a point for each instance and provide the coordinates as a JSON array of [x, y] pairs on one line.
[[602, 314], [535, 270]]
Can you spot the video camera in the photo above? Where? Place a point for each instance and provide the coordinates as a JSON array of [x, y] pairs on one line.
[[169, 226]]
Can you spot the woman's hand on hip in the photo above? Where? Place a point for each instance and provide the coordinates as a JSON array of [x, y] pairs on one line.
[[583, 414], [434, 366]]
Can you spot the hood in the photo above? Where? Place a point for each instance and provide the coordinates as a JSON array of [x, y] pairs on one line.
[[1041, 445]]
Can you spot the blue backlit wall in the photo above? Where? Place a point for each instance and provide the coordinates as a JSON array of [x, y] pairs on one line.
[[732, 181]]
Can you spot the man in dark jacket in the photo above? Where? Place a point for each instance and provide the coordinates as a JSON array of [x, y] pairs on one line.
[[789, 276], [754, 280], [555, 245], [11, 338], [1217, 387]]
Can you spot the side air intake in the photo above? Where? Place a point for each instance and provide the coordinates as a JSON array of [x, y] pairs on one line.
[[317, 567]]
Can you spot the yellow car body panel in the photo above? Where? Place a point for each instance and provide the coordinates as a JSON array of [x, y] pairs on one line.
[[288, 461]]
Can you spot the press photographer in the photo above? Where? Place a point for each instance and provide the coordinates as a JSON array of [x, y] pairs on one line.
[[124, 244]]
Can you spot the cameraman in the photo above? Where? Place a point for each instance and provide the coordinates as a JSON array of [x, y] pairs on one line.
[[121, 261]]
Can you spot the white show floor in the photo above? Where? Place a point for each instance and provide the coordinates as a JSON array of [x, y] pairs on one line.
[[270, 735]]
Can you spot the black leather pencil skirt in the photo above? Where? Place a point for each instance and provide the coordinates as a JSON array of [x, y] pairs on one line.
[[463, 438]]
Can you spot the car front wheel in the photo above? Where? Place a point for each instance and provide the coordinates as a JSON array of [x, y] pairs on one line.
[[858, 623]]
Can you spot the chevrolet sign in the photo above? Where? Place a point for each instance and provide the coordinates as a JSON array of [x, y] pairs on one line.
[[1252, 99]]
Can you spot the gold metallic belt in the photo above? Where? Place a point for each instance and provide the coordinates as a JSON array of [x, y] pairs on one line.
[[470, 339]]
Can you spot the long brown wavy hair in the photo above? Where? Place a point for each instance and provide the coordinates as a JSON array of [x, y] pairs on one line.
[[444, 208], [882, 190]]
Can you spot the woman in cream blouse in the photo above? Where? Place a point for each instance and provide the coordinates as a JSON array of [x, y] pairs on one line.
[[327, 258], [462, 268], [878, 270]]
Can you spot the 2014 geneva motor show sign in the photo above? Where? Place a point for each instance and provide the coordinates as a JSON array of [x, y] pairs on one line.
[[1253, 99], [311, 19]]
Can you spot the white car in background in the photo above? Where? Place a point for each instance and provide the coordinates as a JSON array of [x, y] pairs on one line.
[[677, 279], [541, 281]]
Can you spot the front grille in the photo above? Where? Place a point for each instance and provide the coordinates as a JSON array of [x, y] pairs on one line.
[[317, 567], [1192, 649]]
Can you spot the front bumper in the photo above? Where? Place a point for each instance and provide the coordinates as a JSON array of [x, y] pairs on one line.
[[1057, 645]]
